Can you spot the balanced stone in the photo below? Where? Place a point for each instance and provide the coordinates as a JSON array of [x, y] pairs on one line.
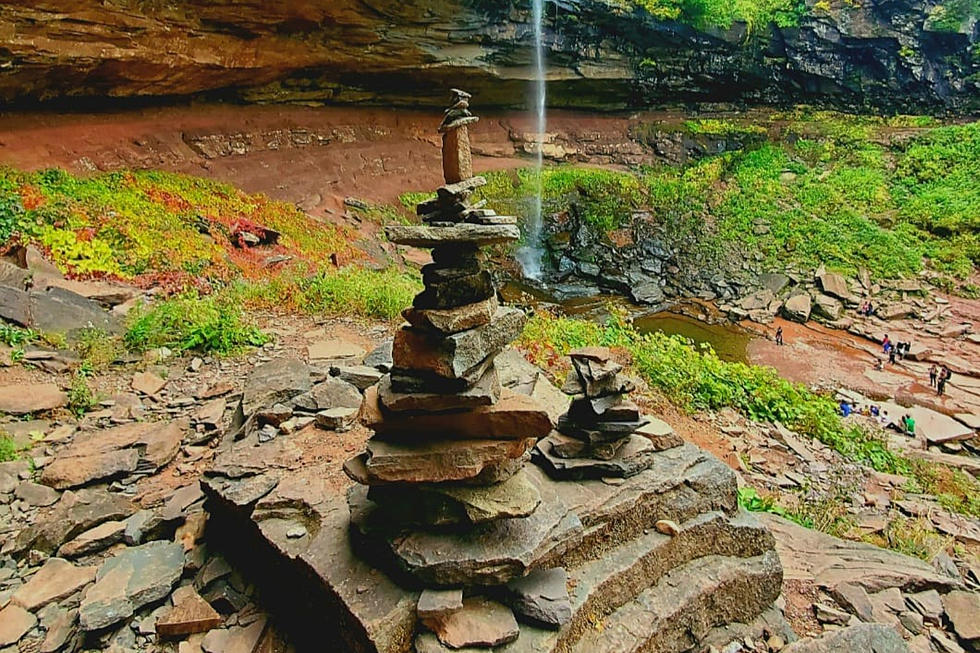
[[461, 254], [463, 233], [485, 393], [634, 457], [453, 320], [432, 461], [456, 355], [514, 417], [480, 623], [435, 273], [449, 293], [441, 504], [612, 408], [564, 446]]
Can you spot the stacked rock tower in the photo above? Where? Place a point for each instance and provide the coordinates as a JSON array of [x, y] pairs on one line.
[[450, 444], [603, 433]]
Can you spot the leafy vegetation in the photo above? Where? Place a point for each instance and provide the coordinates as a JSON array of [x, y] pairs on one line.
[[8, 449], [835, 191], [135, 223], [693, 377], [81, 398], [214, 323], [757, 14]]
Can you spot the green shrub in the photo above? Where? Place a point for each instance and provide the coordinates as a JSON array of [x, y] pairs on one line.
[[81, 398], [8, 450], [213, 323]]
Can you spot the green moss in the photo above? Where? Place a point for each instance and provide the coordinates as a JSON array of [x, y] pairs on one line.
[[756, 14]]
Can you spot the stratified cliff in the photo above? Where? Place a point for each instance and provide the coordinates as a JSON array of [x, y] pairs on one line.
[[882, 55]]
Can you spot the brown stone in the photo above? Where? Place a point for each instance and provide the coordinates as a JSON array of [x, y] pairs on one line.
[[963, 611], [22, 399], [74, 471], [190, 614], [486, 392], [514, 417], [439, 603], [94, 539], [453, 320], [565, 446], [56, 580], [457, 159], [434, 461], [15, 622], [479, 623], [148, 383], [660, 434]]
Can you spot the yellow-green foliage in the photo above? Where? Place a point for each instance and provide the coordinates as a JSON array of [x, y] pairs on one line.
[[757, 14], [133, 223]]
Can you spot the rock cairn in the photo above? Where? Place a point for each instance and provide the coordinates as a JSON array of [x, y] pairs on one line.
[[603, 433], [450, 444]]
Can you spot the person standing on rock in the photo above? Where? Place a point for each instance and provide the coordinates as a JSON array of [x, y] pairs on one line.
[[933, 375], [779, 336], [891, 354], [943, 378], [909, 422], [886, 344]]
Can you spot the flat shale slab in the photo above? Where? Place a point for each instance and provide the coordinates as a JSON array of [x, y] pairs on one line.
[[619, 566]]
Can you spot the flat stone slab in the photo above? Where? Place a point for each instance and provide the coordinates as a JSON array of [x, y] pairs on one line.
[[23, 399], [632, 458], [470, 234], [603, 534], [56, 580]]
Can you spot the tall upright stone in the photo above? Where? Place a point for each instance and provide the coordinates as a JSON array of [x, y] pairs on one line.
[[457, 159]]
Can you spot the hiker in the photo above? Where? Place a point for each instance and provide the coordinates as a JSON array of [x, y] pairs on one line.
[[875, 410], [886, 344], [933, 375], [871, 309], [941, 384], [845, 408], [779, 336], [909, 423], [891, 354], [879, 363]]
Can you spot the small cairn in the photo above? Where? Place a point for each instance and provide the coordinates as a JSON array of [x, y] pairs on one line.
[[450, 443], [603, 433]]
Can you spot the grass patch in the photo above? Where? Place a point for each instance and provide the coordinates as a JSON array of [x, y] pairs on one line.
[[8, 449], [913, 537], [693, 377], [214, 323]]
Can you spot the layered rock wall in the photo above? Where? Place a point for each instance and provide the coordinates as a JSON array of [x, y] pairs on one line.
[[884, 55]]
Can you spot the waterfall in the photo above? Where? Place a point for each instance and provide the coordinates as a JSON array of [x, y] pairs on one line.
[[531, 254]]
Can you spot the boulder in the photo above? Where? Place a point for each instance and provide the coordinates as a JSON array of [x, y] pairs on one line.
[[23, 399], [867, 638], [757, 301], [773, 282], [541, 597], [57, 579], [75, 471], [381, 357], [333, 392], [125, 583], [898, 311], [649, 292], [834, 285], [827, 307], [937, 428], [57, 310], [797, 308], [15, 305]]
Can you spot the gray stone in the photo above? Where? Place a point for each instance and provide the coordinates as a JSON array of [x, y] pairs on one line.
[[439, 603], [73, 514], [541, 597], [381, 358], [447, 503], [274, 415], [830, 615], [337, 419], [867, 638], [361, 377], [94, 539], [61, 630], [35, 494], [274, 382], [774, 282], [330, 393], [140, 526], [797, 308], [855, 600], [929, 604], [484, 393], [453, 320], [634, 457], [660, 434], [834, 285], [57, 310], [911, 621], [130, 580], [15, 305], [650, 292], [423, 236]]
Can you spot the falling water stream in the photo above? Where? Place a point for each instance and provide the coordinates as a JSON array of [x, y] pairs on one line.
[[530, 255]]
